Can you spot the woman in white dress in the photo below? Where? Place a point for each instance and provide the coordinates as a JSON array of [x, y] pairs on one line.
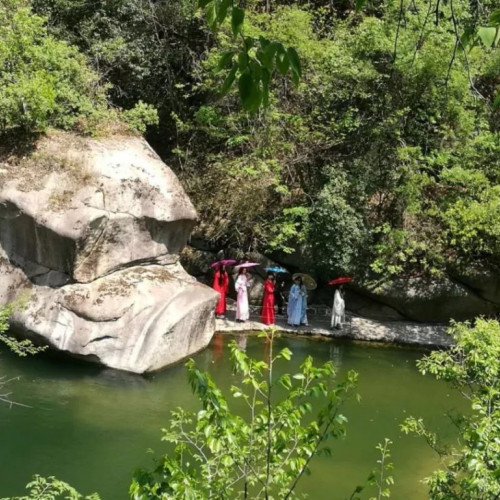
[[338, 309], [242, 284]]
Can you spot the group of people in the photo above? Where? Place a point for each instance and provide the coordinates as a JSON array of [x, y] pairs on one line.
[[273, 295]]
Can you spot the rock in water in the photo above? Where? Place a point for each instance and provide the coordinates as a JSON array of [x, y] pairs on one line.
[[92, 230]]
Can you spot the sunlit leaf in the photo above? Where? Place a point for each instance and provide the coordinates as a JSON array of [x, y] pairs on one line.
[[487, 35], [211, 13]]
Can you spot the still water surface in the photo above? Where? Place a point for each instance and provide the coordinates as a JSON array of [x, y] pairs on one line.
[[91, 427]]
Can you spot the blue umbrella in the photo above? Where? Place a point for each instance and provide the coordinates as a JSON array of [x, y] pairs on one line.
[[276, 269]]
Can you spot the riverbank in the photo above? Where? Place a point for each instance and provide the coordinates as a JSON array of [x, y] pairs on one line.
[[355, 328]]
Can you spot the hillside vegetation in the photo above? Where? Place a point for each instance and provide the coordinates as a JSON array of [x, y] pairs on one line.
[[384, 159]]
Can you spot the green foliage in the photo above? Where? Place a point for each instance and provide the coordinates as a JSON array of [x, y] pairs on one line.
[[43, 81], [51, 489], [139, 117], [342, 235], [472, 366], [362, 157], [365, 146], [256, 60], [261, 453], [24, 347], [381, 478]]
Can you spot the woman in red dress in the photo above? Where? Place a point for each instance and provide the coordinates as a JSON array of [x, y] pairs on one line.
[[221, 285], [267, 315]]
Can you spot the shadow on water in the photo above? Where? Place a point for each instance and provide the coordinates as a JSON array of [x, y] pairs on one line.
[[92, 426]]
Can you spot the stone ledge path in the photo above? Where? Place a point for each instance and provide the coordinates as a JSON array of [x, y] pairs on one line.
[[355, 328]]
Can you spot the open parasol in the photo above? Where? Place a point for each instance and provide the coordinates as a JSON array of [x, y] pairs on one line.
[[247, 264], [308, 280], [340, 281], [276, 269], [224, 262]]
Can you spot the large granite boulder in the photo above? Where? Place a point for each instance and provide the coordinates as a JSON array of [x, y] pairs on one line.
[[482, 280], [93, 230], [434, 300]]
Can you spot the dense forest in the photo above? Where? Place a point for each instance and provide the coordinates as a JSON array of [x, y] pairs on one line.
[[383, 158]]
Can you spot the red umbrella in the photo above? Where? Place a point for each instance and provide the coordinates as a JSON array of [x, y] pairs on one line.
[[340, 281], [224, 262], [247, 264]]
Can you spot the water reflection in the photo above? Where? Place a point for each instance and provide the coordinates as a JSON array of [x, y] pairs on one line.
[[335, 357], [241, 341]]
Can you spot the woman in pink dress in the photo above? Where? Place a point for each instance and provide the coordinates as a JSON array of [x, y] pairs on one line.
[[242, 284]]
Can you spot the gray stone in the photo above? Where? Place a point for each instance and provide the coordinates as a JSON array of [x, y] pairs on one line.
[[98, 268], [483, 281], [132, 209], [437, 300], [197, 262]]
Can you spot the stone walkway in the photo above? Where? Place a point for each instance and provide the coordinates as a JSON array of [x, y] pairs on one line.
[[355, 328]]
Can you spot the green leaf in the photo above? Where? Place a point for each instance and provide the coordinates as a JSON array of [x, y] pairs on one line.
[[467, 36], [225, 60], [211, 13], [282, 61], [237, 18], [250, 93], [294, 59], [256, 70], [266, 77], [496, 102], [243, 61], [495, 18], [229, 79], [203, 3], [222, 10], [266, 54], [487, 35], [270, 50]]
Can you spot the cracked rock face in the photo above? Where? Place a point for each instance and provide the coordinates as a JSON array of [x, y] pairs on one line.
[[93, 231]]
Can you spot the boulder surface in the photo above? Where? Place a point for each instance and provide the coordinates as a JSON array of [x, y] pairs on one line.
[[91, 231]]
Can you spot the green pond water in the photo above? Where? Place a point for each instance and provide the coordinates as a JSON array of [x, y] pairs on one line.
[[92, 427]]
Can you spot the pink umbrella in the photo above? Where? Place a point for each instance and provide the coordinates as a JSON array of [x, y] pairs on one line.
[[224, 262], [247, 264]]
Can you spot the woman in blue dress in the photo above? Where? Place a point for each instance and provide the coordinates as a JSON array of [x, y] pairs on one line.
[[295, 303]]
